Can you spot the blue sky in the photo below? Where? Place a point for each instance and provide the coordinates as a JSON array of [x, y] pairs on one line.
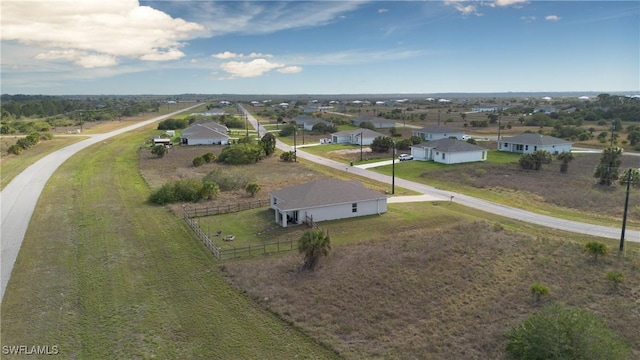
[[326, 47]]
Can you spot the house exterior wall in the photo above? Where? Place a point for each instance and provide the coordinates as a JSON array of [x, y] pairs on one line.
[[420, 153], [459, 157], [438, 136], [527, 148], [329, 212], [207, 141], [340, 139]]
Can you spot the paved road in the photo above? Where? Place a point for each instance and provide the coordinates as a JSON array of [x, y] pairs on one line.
[[432, 194], [18, 199]]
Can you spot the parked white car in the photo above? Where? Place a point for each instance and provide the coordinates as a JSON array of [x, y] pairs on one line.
[[404, 157], [466, 137]]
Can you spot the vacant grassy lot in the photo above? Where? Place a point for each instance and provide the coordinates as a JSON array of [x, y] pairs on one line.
[[573, 195], [436, 282], [104, 275], [12, 165]]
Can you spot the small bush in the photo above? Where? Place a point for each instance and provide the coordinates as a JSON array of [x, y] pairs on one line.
[[615, 277], [538, 291], [288, 156], [185, 190], [209, 157], [559, 332], [228, 180], [198, 161], [15, 149], [159, 150], [596, 249]]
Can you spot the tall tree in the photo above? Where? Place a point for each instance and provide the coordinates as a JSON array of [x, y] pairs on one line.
[[607, 172], [313, 244], [268, 143]]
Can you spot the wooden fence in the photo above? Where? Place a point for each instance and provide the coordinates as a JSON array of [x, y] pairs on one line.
[[232, 253], [225, 209]]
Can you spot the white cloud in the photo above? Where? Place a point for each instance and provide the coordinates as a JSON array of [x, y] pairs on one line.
[[252, 68], [462, 7], [290, 69], [552, 17], [226, 55], [92, 33], [528, 18], [380, 11], [510, 2], [231, 55]]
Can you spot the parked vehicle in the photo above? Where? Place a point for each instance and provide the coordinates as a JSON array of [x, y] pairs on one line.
[[466, 137], [404, 157]]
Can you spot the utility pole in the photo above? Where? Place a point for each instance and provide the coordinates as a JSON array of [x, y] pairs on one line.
[[613, 127], [439, 112], [246, 118], [393, 169], [295, 151], [361, 146], [626, 207]]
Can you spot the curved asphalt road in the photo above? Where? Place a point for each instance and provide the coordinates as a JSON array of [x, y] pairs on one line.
[[433, 194], [18, 199]]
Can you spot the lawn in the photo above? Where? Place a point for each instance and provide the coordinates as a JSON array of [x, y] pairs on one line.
[[437, 281], [103, 274]]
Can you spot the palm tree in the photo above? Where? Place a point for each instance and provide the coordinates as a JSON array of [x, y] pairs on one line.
[[566, 157], [607, 170], [252, 189], [313, 244], [596, 248]]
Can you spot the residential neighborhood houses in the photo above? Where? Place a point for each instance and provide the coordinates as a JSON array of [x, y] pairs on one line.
[[449, 151], [205, 133], [308, 122], [360, 136], [323, 200], [378, 122], [434, 132], [529, 142]]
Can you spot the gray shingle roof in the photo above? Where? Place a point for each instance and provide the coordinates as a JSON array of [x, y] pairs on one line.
[[322, 193], [535, 139], [434, 129], [368, 133], [450, 146]]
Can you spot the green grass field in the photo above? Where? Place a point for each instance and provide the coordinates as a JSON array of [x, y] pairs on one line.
[[102, 274]]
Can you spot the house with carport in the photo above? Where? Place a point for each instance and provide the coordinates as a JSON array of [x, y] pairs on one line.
[[360, 136], [448, 151], [327, 199], [435, 132], [205, 133], [529, 142]]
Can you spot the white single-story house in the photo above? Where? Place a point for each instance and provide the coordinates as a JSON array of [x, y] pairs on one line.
[[356, 137], [528, 143], [328, 199], [434, 132], [449, 151], [308, 122], [208, 133], [488, 108], [378, 122]]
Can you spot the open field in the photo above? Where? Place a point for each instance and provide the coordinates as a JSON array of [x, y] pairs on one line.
[[102, 274], [12, 165], [434, 282]]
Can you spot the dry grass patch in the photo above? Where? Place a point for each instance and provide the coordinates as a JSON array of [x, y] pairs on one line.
[[434, 293]]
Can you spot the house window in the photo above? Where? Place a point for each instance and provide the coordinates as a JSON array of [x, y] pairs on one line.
[[505, 145], [535, 148], [275, 201], [526, 147], [442, 156], [354, 207]]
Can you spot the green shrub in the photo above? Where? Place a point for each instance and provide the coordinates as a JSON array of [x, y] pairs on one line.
[[596, 249], [198, 161], [559, 332], [538, 291], [288, 156], [159, 150], [184, 190], [15, 149], [228, 179], [241, 154], [209, 157]]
